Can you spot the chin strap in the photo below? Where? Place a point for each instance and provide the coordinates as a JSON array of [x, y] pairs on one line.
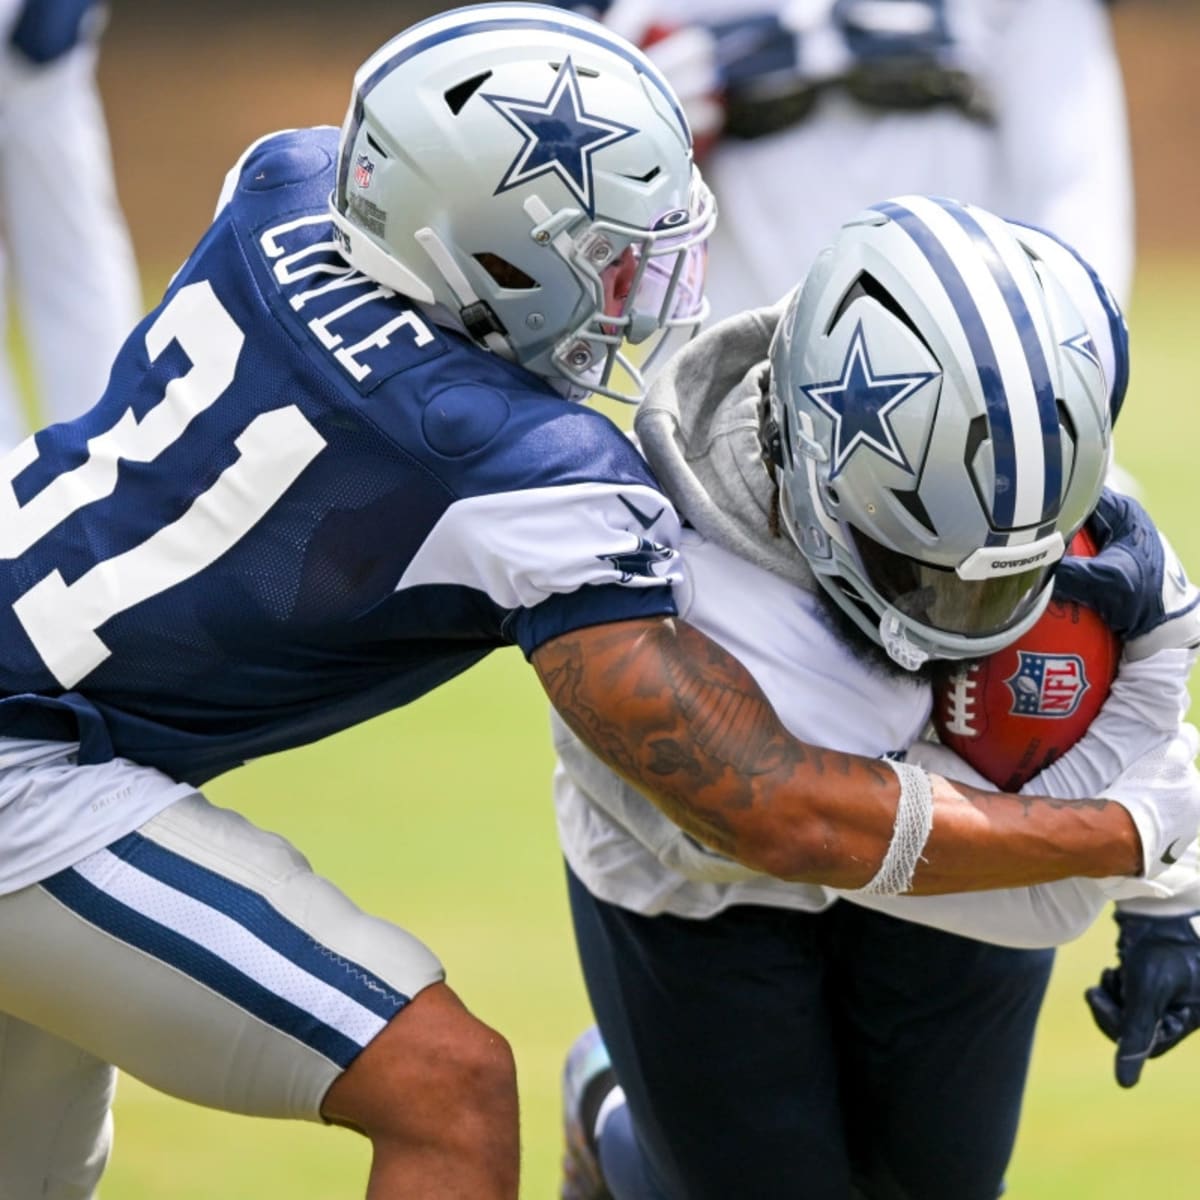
[[476, 314]]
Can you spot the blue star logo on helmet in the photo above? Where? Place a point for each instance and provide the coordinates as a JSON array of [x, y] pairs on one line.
[[559, 137], [860, 405]]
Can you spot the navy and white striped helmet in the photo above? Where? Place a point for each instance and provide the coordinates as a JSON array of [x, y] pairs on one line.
[[530, 173], [943, 386]]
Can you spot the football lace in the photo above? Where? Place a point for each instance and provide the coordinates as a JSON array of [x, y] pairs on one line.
[[959, 701]]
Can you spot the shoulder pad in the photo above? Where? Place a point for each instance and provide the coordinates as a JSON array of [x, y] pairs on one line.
[[286, 157]]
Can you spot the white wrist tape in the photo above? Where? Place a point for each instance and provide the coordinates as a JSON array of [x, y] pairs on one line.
[[914, 821]]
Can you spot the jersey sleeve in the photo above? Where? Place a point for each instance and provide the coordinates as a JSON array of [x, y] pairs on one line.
[[558, 557]]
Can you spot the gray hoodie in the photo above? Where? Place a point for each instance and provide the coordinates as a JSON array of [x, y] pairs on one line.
[[699, 429]]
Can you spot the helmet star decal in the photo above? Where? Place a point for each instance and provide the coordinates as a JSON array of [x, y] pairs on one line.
[[560, 138], [859, 405]]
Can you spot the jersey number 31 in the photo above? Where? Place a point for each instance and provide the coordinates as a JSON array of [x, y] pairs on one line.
[[61, 619]]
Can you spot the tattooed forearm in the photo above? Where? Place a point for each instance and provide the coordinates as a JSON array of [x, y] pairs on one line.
[[1029, 805], [686, 724], [668, 702], [560, 665], [723, 720]]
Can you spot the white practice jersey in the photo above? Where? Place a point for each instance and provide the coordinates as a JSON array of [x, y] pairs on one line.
[[616, 841], [627, 853]]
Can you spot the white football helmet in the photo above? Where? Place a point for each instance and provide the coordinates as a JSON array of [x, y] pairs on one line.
[[530, 173], [942, 387]]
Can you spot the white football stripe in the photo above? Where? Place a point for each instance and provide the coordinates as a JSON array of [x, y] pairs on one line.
[[224, 937]]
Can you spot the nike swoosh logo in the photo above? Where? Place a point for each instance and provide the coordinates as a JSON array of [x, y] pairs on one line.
[[642, 519], [1169, 856]]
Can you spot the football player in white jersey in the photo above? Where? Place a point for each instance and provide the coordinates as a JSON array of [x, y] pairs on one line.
[[336, 465], [65, 252], [876, 477]]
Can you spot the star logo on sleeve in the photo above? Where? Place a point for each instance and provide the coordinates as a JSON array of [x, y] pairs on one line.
[[559, 137], [640, 561], [860, 404]]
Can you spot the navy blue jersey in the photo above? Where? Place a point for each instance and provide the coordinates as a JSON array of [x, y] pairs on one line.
[[300, 503]]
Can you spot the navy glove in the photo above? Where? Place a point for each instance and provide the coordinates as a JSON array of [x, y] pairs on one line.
[[1135, 582], [1151, 1001]]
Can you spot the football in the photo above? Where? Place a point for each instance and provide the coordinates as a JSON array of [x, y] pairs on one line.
[[1014, 712]]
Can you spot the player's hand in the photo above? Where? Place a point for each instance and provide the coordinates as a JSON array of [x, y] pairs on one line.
[[1151, 1001], [1135, 581]]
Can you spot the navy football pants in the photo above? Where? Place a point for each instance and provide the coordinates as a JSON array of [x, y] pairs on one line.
[[776, 1055]]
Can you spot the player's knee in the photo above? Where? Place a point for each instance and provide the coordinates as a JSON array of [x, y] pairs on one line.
[[433, 1059], [476, 1075]]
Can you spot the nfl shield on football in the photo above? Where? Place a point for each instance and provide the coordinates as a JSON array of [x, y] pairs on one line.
[[1014, 712]]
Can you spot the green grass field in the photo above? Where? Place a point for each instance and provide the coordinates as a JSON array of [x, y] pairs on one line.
[[439, 817]]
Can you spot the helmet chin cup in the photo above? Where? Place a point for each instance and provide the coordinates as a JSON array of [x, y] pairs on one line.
[[893, 637]]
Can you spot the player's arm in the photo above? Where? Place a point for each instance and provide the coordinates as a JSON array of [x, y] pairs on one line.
[[685, 723]]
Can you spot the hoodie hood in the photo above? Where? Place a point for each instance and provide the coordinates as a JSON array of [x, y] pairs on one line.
[[698, 427]]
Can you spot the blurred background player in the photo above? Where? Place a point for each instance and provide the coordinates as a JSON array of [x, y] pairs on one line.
[[816, 108], [65, 253], [776, 1040]]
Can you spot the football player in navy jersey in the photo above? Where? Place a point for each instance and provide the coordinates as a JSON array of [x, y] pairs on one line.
[[337, 465]]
